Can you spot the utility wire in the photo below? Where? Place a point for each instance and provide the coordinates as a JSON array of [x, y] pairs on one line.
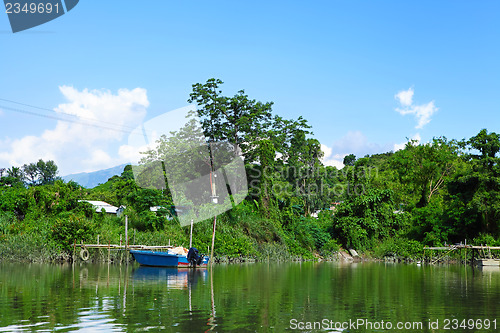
[[76, 120], [66, 114]]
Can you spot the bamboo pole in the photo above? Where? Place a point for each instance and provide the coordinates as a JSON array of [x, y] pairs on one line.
[[126, 239], [444, 255], [191, 235], [213, 242], [126, 232]]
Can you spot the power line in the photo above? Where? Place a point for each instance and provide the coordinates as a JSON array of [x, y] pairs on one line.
[[76, 121], [77, 118]]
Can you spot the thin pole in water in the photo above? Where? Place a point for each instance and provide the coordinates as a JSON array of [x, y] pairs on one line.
[[126, 232], [126, 239], [191, 235], [213, 242]]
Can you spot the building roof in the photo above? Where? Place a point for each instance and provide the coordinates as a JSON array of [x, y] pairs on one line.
[[99, 205]]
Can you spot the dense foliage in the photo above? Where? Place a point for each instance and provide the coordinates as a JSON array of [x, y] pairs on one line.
[[444, 191]]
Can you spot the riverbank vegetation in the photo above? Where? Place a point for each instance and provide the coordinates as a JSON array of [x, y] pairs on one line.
[[392, 204]]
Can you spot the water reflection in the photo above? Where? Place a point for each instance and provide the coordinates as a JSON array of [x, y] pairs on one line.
[[181, 279], [256, 297], [175, 278]]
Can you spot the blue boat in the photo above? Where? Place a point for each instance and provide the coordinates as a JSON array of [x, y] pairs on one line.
[[170, 258]]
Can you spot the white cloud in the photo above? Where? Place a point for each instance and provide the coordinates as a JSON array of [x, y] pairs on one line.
[[327, 151], [99, 157], [98, 121], [405, 97], [354, 142], [422, 112], [399, 146], [335, 160]]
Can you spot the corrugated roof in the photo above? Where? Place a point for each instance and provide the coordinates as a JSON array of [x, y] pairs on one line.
[[99, 205]]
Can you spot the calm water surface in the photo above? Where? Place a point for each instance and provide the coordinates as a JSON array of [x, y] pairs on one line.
[[249, 298]]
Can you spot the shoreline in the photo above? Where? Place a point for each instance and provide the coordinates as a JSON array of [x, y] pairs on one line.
[[121, 257]]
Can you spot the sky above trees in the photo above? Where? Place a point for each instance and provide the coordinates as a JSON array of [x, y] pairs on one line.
[[367, 75]]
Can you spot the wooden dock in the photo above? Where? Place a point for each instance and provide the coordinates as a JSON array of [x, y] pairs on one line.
[[123, 247], [85, 255], [481, 254]]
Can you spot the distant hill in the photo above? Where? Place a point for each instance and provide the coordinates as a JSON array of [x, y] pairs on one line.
[[92, 179]]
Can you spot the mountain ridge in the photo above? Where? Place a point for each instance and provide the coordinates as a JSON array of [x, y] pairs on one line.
[[92, 179]]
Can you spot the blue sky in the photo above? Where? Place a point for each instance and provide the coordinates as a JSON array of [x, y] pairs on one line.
[[339, 64]]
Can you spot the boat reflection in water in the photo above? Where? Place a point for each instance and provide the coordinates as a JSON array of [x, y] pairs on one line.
[[182, 279], [175, 278]]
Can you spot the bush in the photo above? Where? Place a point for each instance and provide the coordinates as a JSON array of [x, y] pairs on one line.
[[27, 248], [398, 247], [485, 239], [69, 227], [330, 248], [7, 221], [232, 246]]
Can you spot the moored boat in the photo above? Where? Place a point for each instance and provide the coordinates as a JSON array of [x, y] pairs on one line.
[[177, 257]]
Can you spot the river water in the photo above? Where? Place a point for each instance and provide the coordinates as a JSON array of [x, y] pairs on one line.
[[262, 297]]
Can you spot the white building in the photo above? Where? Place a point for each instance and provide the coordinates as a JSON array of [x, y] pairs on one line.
[[100, 205]]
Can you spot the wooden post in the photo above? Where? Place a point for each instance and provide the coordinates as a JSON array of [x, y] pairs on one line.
[[97, 239], [213, 242], [465, 254], [191, 235], [126, 232], [74, 250], [109, 252]]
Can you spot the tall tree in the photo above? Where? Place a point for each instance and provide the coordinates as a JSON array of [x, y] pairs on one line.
[[31, 171], [282, 133], [47, 171], [424, 168], [238, 119], [16, 173], [349, 160], [475, 191], [304, 164]]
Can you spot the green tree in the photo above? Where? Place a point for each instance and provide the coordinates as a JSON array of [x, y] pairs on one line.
[[349, 160], [475, 190], [16, 173], [304, 165], [14, 177], [366, 217], [425, 168], [47, 171], [238, 119], [31, 171]]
